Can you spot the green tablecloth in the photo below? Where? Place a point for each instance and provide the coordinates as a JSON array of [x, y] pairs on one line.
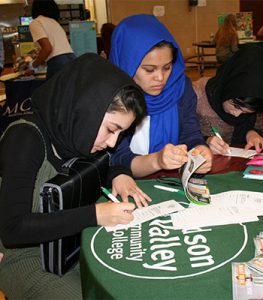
[[154, 261]]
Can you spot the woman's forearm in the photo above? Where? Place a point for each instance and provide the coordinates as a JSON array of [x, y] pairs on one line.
[[44, 52], [144, 165], [169, 158]]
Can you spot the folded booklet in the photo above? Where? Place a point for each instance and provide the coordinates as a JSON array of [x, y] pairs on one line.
[[195, 185], [256, 160], [253, 172]]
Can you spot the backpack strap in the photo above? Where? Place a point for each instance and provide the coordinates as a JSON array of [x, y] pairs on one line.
[[23, 121]]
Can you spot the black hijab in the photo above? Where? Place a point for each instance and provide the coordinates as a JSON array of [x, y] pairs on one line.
[[73, 102], [240, 76]]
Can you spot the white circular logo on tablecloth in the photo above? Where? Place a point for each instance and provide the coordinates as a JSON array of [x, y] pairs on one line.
[[154, 250]]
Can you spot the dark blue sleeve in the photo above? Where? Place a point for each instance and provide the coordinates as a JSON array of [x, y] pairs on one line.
[[190, 133], [123, 155]]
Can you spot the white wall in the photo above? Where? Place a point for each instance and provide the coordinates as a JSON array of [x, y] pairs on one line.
[[101, 13], [98, 12]]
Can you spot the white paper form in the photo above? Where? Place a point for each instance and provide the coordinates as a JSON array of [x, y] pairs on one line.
[[243, 199], [148, 213], [239, 152], [210, 215]]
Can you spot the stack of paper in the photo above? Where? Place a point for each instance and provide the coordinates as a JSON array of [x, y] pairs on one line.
[[243, 199], [225, 208], [209, 215], [148, 213]]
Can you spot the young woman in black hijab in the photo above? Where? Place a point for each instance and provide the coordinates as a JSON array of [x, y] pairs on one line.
[[81, 110], [231, 100]]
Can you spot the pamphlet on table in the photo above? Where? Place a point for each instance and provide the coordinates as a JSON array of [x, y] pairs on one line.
[[247, 277], [148, 213], [255, 168], [239, 152], [230, 207]]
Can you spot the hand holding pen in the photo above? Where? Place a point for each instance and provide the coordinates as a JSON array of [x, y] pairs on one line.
[[113, 212], [217, 144], [109, 195]]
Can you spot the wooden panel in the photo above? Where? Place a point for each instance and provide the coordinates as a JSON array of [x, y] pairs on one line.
[[186, 25]]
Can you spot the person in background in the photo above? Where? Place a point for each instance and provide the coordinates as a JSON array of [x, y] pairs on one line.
[[143, 47], [260, 33], [231, 100], [2, 52], [77, 113], [87, 14], [106, 33], [45, 29], [226, 39]]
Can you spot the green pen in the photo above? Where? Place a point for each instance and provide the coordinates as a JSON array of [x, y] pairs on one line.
[[109, 195], [216, 132]]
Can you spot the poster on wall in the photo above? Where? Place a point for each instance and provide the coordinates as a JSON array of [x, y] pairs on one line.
[[83, 37], [244, 24]]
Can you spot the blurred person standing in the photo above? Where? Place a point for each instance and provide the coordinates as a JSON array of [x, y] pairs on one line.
[[226, 39], [2, 52], [260, 33], [106, 33], [45, 29]]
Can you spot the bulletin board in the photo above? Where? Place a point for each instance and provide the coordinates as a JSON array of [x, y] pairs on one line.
[[244, 24], [83, 37]]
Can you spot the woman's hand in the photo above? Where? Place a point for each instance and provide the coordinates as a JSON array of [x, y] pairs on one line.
[[217, 145], [125, 186], [172, 157], [208, 155], [111, 214], [254, 140], [169, 158]]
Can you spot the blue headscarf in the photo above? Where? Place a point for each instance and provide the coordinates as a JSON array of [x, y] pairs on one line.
[[132, 39]]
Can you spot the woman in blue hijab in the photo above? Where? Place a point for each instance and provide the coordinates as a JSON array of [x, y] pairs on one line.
[[143, 47]]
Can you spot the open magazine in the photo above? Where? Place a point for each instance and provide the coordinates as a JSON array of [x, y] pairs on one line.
[[195, 185]]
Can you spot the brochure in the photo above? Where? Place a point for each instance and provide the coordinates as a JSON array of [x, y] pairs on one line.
[[253, 172], [195, 186], [246, 283]]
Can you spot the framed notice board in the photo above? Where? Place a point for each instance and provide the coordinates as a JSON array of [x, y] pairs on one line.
[[244, 23], [83, 37], [24, 34]]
